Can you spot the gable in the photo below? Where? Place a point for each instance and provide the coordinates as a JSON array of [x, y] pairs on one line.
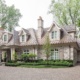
[[54, 27], [22, 32]]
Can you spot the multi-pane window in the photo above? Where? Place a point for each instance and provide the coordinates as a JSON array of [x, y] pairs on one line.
[[26, 51], [54, 35], [23, 38], [5, 37], [54, 54]]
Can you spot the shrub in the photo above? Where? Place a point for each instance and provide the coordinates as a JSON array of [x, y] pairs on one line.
[[25, 57], [32, 56], [42, 62], [12, 64], [28, 57], [11, 61]]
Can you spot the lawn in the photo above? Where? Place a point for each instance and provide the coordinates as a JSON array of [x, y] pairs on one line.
[[42, 66]]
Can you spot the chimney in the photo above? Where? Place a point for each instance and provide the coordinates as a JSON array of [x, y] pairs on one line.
[[40, 22], [40, 27]]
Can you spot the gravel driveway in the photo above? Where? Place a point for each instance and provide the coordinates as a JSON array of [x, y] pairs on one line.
[[18, 73]]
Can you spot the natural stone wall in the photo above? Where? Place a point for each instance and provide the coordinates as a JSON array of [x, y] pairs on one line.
[[65, 53], [31, 50], [71, 53], [75, 56], [78, 56]]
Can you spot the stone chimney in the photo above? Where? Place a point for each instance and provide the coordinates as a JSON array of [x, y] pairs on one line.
[[40, 27]]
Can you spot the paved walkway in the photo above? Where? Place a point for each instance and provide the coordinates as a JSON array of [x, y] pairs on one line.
[[18, 73]]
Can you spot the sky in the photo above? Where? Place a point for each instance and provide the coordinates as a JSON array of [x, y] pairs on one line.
[[31, 10]]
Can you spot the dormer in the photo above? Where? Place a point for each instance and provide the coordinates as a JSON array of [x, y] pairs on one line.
[[54, 32], [23, 35], [6, 37], [71, 30], [72, 34]]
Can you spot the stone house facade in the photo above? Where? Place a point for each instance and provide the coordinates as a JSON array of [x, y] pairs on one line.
[[64, 44]]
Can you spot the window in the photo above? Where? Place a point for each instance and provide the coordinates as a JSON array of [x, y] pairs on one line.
[[23, 38], [54, 54], [5, 37], [26, 51], [54, 35]]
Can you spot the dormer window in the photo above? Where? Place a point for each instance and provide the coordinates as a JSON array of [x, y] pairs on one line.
[[4, 38], [23, 38], [24, 35], [54, 35]]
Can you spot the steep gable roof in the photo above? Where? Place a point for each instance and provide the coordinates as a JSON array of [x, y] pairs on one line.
[[25, 30], [33, 36], [69, 28], [32, 40], [53, 25]]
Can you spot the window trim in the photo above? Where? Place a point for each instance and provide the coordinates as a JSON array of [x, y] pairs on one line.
[[26, 51], [54, 35], [54, 54], [23, 37], [5, 37]]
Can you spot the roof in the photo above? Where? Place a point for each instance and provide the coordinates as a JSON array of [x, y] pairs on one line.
[[69, 28], [32, 37]]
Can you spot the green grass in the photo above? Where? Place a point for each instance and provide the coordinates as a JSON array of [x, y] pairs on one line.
[[42, 66]]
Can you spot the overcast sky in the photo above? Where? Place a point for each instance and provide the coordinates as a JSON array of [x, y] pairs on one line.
[[31, 10]]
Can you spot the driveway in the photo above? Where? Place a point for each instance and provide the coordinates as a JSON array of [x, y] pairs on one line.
[[18, 73]]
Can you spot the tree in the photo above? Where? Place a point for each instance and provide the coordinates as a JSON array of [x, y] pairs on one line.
[[15, 56], [47, 48], [66, 11], [9, 16]]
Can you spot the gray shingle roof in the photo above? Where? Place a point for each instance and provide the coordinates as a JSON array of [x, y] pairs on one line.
[[34, 40], [69, 28]]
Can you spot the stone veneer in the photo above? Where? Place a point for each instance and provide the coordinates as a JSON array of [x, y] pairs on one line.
[[65, 53]]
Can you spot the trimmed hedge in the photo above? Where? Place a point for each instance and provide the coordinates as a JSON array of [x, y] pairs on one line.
[[42, 62], [12, 64]]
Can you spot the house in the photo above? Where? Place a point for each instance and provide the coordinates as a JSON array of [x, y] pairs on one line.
[[64, 44]]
